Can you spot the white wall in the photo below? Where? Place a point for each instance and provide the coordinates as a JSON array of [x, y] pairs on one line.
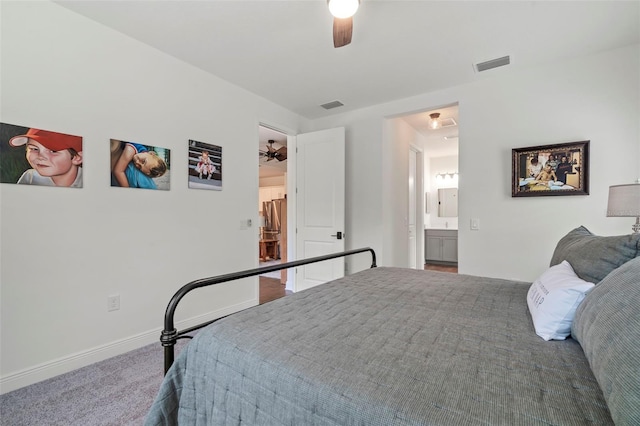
[[273, 181], [395, 172], [65, 250], [587, 98], [594, 98], [364, 181]]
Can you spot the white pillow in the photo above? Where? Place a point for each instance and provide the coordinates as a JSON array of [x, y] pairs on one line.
[[553, 299]]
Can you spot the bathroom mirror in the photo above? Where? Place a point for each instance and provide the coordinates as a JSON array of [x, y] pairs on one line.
[[448, 202]]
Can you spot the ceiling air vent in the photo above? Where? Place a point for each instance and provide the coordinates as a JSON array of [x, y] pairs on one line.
[[493, 63], [448, 122], [332, 104]]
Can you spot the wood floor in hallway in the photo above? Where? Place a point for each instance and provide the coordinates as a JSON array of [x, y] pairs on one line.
[[441, 268], [271, 289]]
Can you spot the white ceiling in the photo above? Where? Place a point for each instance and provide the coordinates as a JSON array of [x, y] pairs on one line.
[[283, 50]]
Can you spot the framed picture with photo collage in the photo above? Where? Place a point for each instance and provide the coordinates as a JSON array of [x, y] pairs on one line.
[[550, 170]]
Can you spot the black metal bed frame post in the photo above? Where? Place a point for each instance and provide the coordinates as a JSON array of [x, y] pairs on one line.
[[170, 335]]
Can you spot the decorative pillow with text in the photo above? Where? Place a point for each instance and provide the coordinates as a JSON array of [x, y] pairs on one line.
[[553, 299]]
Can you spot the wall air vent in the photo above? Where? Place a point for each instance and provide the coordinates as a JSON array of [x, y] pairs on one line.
[[493, 63], [332, 104]]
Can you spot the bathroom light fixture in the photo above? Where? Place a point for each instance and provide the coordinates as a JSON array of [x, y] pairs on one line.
[[624, 201], [445, 175], [434, 122], [343, 8]]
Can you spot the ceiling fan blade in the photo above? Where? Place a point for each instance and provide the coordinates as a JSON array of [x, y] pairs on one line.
[[281, 154], [342, 30]]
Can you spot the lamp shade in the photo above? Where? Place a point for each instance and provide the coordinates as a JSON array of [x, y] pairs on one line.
[[624, 200]]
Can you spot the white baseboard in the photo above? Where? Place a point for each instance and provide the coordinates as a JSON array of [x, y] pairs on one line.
[[53, 368]]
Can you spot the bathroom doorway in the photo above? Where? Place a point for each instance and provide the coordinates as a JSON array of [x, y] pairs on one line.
[[438, 131]]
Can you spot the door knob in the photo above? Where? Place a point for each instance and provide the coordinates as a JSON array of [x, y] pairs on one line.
[[338, 235]]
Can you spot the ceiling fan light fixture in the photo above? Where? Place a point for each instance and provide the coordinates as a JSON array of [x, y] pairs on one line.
[[343, 8], [434, 121], [271, 153]]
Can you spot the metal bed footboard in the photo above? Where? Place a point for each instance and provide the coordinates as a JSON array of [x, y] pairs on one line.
[[170, 335]]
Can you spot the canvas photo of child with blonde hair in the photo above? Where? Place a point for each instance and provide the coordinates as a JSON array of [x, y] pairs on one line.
[[135, 165], [204, 165]]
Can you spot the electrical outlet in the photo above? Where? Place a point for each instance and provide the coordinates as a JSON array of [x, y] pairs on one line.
[[113, 303]]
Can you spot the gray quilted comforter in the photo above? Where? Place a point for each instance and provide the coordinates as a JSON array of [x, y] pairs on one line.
[[385, 346]]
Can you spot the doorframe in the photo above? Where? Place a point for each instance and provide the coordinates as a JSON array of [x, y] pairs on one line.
[[292, 200], [419, 204], [388, 142], [292, 214], [291, 186]]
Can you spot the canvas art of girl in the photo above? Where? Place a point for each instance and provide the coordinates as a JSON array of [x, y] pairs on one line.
[[205, 165]]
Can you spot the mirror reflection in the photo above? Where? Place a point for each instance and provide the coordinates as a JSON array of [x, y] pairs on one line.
[[448, 202]]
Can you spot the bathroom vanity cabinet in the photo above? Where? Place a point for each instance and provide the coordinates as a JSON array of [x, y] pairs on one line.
[[441, 245]]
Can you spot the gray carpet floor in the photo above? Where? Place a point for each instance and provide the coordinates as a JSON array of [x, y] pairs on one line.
[[117, 391]]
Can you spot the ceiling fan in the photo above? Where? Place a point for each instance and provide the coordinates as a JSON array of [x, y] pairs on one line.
[[343, 11], [279, 154]]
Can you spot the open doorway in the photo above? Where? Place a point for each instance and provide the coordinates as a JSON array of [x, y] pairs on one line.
[[438, 128], [272, 210]]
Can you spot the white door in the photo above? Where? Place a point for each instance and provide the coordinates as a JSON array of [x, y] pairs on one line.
[[319, 205], [412, 208]]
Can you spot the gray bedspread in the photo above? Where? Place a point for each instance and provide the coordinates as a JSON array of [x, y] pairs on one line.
[[385, 346]]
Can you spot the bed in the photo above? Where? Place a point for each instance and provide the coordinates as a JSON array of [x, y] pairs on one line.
[[394, 346]]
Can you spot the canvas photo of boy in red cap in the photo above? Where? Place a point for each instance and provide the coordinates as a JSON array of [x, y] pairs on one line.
[[53, 159]]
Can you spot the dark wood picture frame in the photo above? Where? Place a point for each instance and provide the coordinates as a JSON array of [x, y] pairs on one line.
[[567, 172]]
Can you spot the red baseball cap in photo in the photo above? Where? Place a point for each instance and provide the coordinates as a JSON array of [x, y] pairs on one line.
[[51, 140]]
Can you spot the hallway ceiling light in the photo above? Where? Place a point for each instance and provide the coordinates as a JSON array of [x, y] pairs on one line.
[[434, 121]]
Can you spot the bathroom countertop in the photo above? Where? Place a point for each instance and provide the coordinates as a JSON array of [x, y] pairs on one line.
[[440, 228]]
